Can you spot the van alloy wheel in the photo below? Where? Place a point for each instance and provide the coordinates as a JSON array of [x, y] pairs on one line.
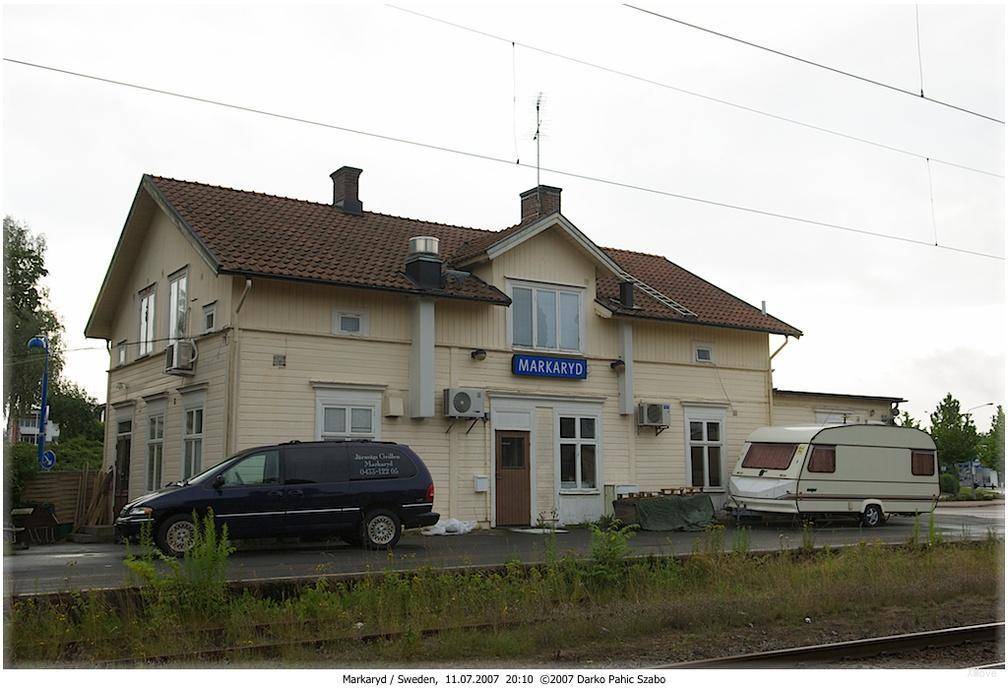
[[181, 536], [381, 529]]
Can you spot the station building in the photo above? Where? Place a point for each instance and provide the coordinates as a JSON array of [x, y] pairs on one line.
[[535, 372]]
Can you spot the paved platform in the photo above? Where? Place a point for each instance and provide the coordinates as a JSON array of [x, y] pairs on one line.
[[75, 566]]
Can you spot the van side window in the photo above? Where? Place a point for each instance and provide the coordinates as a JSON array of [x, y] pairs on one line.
[[255, 470], [823, 460], [769, 456], [922, 463], [315, 465], [379, 461]]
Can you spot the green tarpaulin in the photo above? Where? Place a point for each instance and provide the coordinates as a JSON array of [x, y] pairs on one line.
[[666, 512]]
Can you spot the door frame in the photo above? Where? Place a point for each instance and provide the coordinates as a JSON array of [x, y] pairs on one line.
[[117, 488], [512, 414], [526, 435]]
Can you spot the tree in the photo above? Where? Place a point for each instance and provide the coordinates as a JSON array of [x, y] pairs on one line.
[[907, 421], [992, 446], [954, 433], [26, 314], [77, 413]]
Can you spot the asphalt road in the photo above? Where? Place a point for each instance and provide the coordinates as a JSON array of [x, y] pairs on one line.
[[73, 566]]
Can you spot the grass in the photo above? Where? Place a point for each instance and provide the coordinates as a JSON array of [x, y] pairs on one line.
[[526, 612]]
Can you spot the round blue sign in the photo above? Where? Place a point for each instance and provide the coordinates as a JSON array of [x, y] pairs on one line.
[[48, 460]]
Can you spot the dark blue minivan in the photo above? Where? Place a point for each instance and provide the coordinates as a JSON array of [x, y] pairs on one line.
[[364, 492]]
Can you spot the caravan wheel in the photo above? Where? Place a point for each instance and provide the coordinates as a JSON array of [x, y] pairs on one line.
[[872, 516]]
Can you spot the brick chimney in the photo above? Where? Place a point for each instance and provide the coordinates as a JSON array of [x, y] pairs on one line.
[[540, 201], [345, 189]]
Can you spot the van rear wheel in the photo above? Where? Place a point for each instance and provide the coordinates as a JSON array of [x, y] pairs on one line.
[[381, 529], [872, 516]]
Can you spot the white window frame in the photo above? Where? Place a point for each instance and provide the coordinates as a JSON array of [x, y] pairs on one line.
[[557, 289], [211, 311], [121, 353], [362, 319], [705, 415], [848, 416], [347, 399], [190, 439], [697, 346], [147, 319], [155, 444], [178, 311], [578, 441]]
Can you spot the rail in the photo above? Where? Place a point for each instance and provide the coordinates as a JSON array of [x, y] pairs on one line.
[[851, 650]]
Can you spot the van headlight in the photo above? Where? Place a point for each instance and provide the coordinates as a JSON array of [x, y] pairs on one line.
[[140, 512]]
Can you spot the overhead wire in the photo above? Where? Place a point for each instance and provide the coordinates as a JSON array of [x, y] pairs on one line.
[[820, 65], [497, 159], [697, 94]]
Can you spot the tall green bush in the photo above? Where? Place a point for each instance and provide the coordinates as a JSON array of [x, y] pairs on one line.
[[949, 483]]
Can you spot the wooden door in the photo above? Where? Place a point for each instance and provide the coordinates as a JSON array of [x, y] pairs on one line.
[[513, 488], [122, 467]]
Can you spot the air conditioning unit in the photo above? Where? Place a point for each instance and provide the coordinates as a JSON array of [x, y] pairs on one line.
[[180, 357], [654, 414], [466, 403]]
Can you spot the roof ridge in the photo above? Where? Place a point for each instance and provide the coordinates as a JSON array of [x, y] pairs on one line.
[[319, 203]]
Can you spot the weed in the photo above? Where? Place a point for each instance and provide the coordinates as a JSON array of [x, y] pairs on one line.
[[713, 540], [740, 541], [609, 548], [807, 536], [934, 536]]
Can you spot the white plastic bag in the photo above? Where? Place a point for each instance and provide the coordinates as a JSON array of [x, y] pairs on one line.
[[448, 527]]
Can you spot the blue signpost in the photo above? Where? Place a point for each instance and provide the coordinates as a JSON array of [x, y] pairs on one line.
[[46, 458]]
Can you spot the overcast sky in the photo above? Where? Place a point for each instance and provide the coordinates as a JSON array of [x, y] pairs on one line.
[[880, 316]]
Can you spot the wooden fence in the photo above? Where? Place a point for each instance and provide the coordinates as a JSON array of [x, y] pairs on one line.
[[69, 492]]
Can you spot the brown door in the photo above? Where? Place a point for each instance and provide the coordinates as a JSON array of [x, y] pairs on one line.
[[512, 478], [122, 466]]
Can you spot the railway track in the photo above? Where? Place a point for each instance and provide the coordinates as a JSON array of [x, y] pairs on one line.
[[804, 656]]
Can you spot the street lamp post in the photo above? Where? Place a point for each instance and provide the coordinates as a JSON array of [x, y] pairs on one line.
[[46, 458]]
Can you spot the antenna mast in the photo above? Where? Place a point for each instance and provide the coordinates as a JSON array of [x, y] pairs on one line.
[[537, 133]]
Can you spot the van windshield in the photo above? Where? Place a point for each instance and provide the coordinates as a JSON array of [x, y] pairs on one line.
[[769, 456]]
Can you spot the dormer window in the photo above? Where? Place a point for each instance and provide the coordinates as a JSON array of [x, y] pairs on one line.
[[545, 317]]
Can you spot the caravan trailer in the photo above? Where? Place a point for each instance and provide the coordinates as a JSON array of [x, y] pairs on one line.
[[866, 470]]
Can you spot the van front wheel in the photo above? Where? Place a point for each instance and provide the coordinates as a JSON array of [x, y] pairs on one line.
[[872, 516], [381, 529]]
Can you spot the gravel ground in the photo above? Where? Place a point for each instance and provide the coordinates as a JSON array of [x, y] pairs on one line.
[[949, 657], [677, 647]]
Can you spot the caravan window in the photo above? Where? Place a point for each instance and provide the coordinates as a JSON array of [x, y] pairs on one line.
[[823, 460], [922, 463], [769, 456]]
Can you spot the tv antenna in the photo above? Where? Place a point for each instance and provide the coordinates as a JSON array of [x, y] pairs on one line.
[[538, 132]]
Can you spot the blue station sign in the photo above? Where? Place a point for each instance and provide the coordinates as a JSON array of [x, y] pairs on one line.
[[549, 366]]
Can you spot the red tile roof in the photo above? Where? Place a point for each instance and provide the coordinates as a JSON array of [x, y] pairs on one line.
[[250, 233]]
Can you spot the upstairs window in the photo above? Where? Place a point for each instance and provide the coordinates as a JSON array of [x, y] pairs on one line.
[[349, 323], [121, 353], [703, 354], [145, 340], [178, 306], [546, 318], [209, 317]]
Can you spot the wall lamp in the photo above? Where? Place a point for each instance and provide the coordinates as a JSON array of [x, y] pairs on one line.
[[619, 365], [478, 354]]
